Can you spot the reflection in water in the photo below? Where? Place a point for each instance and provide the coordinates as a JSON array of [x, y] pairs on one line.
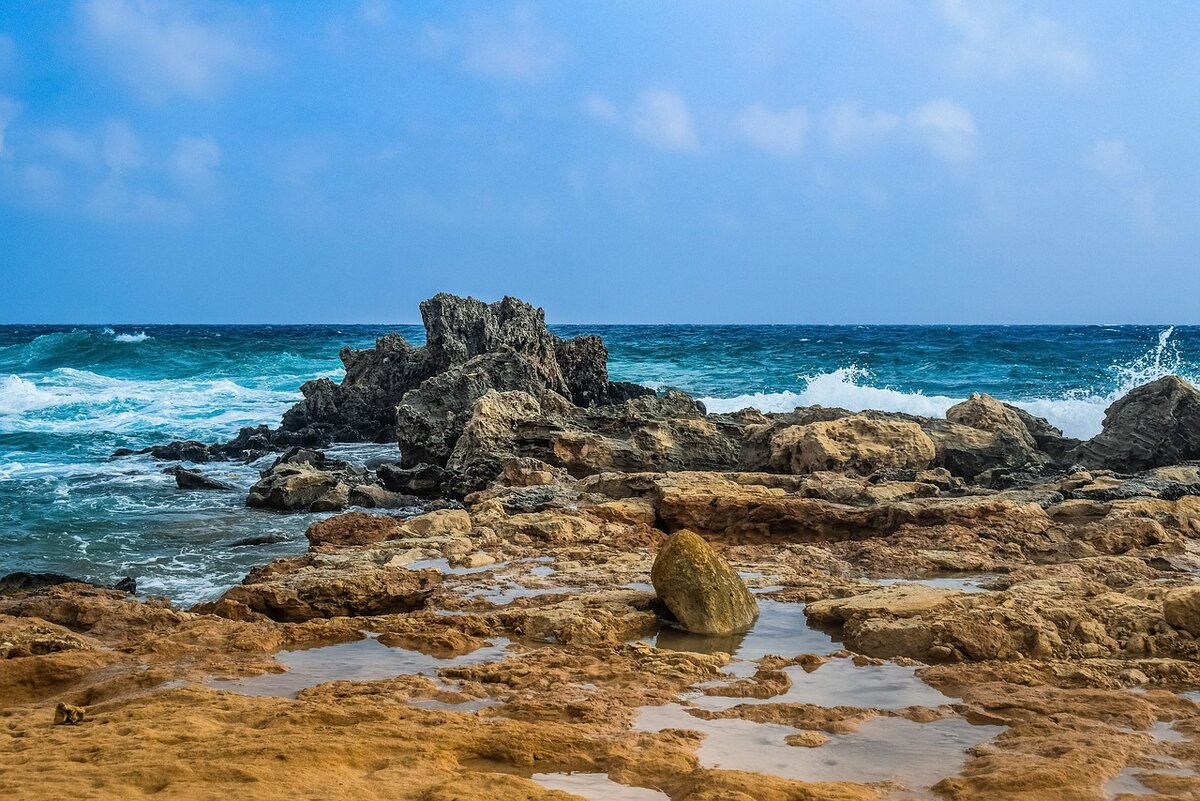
[[362, 660], [781, 629], [915, 755], [596, 787]]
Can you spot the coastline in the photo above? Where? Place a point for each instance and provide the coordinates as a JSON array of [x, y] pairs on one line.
[[1059, 662]]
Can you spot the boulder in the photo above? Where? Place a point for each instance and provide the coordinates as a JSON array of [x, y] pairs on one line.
[[1181, 608], [68, 714], [298, 488], [195, 480], [967, 451], [302, 588], [1155, 425], [422, 480], [854, 444], [702, 590], [984, 412]]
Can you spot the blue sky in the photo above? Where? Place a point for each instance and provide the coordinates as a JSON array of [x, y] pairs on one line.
[[808, 162]]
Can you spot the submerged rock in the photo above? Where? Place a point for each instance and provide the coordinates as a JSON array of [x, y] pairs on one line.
[[194, 479], [702, 590], [1155, 425]]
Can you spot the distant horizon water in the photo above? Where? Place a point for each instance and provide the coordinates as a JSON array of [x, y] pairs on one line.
[[71, 395]]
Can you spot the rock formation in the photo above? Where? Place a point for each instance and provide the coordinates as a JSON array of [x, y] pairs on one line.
[[1153, 425]]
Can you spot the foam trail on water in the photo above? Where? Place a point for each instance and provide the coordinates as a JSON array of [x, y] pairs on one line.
[[840, 388], [1079, 413]]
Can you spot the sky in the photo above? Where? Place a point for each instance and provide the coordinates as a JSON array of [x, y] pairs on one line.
[[866, 161]]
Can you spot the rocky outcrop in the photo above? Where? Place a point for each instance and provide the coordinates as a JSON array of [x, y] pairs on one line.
[[854, 444], [1154, 425], [984, 412], [652, 433], [1181, 608], [702, 590]]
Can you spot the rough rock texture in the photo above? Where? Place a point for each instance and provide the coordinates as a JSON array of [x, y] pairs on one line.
[[194, 479], [702, 590], [646, 433], [1181, 608], [1154, 425], [985, 412], [853, 444]]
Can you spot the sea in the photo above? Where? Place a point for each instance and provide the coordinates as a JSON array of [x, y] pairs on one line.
[[71, 395]]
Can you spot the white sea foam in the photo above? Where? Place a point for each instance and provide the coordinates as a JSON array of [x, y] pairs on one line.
[[70, 400], [1079, 413], [140, 336]]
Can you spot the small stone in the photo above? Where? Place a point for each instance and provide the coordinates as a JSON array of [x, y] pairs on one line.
[[806, 739], [68, 715]]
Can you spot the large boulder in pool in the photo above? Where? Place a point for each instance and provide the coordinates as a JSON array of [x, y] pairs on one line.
[[702, 590], [855, 444], [1155, 425]]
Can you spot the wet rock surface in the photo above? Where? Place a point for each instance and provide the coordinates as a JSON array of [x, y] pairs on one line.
[[700, 588]]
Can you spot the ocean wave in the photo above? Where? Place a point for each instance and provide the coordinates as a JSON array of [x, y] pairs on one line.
[[140, 336], [1078, 412], [80, 401]]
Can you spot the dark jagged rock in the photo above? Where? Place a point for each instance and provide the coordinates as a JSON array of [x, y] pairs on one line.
[[431, 418], [362, 407], [182, 451], [422, 480], [584, 363], [1155, 425], [195, 480], [22, 581], [257, 539]]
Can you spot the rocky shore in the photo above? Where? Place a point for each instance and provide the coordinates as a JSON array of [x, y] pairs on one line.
[[569, 587]]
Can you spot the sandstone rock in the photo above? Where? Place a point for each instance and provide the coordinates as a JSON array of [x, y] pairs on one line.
[[1155, 425], [1181, 608], [297, 487], [701, 589], [297, 589], [984, 412], [422, 480], [852, 444], [966, 451]]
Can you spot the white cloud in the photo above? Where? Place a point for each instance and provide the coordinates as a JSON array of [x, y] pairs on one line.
[[194, 163], [162, 50], [943, 127], [9, 109], [513, 48], [69, 145], [1111, 158], [997, 38], [946, 128], [848, 127], [120, 148], [601, 109], [114, 202], [780, 133], [662, 119], [375, 12]]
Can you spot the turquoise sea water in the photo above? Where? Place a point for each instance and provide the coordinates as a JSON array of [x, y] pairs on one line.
[[70, 395]]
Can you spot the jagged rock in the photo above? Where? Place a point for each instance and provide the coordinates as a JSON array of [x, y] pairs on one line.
[[1155, 425], [702, 590], [584, 363], [361, 528], [256, 540], [183, 451], [422, 480], [649, 433], [362, 407], [431, 417], [194, 479], [22, 582], [852, 444]]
